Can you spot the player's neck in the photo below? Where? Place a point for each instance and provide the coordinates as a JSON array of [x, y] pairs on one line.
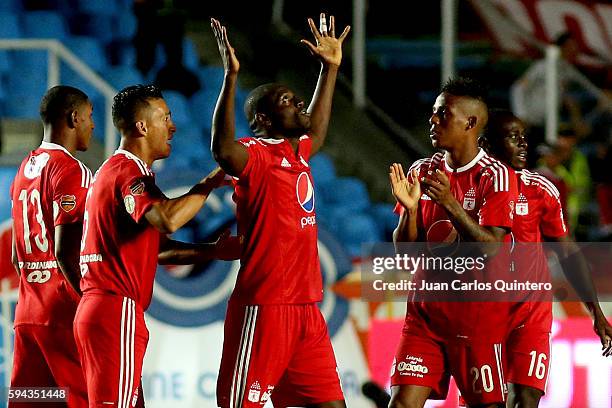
[[138, 149], [460, 157], [60, 137]]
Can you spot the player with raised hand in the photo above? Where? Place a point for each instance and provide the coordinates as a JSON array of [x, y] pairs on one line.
[[126, 219], [469, 195], [538, 217], [48, 197], [276, 344]]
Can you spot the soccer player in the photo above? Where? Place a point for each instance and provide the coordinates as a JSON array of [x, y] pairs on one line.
[[538, 217], [48, 196], [276, 343], [126, 217], [466, 192]]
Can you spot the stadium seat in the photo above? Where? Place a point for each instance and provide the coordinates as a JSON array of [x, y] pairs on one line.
[[7, 174], [9, 25], [89, 50], [98, 7], [355, 230], [24, 92], [191, 58], [44, 24], [349, 192], [211, 77], [323, 169], [385, 218], [179, 106], [100, 27], [202, 105], [122, 75], [11, 5], [124, 26]]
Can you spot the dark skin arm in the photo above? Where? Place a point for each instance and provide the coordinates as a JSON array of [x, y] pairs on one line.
[[231, 155], [576, 270], [172, 252], [328, 51], [168, 215], [14, 259], [438, 188], [67, 252]]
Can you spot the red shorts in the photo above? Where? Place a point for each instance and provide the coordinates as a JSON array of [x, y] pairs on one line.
[[111, 337], [427, 360], [528, 346], [277, 352], [47, 357]]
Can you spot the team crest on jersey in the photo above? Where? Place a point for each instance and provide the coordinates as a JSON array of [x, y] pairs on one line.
[[35, 165], [130, 204], [522, 206], [254, 392], [67, 202], [305, 192], [469, 200], [137, 188]]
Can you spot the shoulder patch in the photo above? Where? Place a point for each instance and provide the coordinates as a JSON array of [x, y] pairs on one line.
[[130, 204], [67, 202], [137, 188]]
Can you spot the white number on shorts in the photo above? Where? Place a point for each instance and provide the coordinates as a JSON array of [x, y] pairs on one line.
[[487, 378], [40, 240], [38, 276], [540, 367]]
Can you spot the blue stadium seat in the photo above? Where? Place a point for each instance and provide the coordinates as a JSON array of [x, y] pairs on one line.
[[202, 105], [100, 27], [24, 92], [89, 50], [211, 77], [122, 76], [179, 106], [11, 5], [191, 58], [124, 26], [385, 218], [355, 230], [44, 24], [98, 7], [190, 150], [7, 174], [323, 169], [347, 192], [9, 25]]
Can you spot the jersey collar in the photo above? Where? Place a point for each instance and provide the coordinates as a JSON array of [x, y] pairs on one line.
[[131, 156], [472, 163], [54, 146]]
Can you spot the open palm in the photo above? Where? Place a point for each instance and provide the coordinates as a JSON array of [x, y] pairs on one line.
[[328, 48], [405, 192]]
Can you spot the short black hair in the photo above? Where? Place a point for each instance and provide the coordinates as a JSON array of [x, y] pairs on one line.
[[464, 86], [129, 100], [258, 101], [493, 134], [59, 102]]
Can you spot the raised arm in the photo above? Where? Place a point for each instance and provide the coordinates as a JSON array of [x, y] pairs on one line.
[[168, 215], [328, 50], [231, 155], [576, 270]]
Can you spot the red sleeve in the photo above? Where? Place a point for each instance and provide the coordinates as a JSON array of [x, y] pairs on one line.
[[552, 224], [305, 147], [70, 185], [499, 192], [139, 192], [258, 160]]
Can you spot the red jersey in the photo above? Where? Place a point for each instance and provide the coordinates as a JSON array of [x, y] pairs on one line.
[[49, 190], [276, 215], [120, 248], [487, 191]]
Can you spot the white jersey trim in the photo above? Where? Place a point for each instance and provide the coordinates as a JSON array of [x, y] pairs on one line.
[[85, 172], [472, 163], [142, 166]]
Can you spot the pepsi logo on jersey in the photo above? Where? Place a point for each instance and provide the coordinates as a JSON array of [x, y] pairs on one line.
[[306, 198]]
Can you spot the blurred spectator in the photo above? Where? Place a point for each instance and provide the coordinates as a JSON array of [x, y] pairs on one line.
[[569, 164], [528, 93], [163, 22], [549, 160]]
